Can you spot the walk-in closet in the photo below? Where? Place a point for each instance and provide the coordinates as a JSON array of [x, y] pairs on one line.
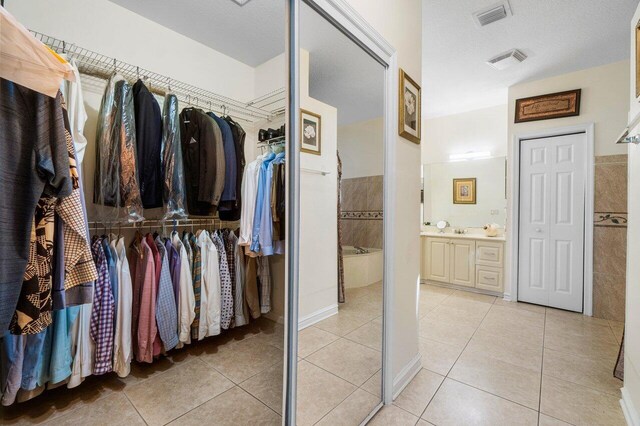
[[150, 218]]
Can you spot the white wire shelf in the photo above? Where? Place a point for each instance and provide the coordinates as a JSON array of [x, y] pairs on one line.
[[102, 66]]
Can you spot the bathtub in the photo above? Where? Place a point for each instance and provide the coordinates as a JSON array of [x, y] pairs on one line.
[[361, 270]]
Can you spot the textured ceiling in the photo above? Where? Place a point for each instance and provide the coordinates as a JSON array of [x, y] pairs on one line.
[[559, 36]]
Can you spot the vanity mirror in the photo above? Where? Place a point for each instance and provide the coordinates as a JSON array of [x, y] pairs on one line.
[[450, 188]]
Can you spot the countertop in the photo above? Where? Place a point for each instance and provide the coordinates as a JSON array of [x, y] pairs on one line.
[[462, 236]]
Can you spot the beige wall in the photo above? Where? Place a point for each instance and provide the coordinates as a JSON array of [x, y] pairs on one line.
[[479, 130], [604, 102], [400, 23], [631, 390], [361, 147]]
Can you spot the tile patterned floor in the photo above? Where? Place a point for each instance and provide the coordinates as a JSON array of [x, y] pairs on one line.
[[235, 378], [485, 361], [490, 362]]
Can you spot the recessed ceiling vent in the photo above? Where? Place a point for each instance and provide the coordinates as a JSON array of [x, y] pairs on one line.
[[491, 14], [507, 59]]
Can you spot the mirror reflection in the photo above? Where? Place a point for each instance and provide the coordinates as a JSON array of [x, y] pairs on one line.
[[465, 194]]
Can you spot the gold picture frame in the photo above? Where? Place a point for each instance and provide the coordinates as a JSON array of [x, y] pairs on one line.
[[310, 132], [638, 59], [409, 108], [464, 191]]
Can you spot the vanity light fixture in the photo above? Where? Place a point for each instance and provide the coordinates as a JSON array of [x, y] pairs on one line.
[[241, 2], [469, 156]]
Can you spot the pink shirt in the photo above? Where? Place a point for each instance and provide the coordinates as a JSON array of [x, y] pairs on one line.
[[147, 329]]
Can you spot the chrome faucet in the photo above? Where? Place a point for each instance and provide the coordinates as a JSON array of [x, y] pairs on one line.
[[360, 250]]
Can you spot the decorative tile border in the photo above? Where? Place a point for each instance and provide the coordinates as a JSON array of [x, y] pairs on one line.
[[362, 215], [610, 219]]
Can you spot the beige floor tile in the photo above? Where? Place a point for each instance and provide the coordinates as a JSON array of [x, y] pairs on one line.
[[343, 323], [374, 385], [458, 404], [369, 335], [469, 295], [351, 361], [603, 345], [438, 357], [519, 323], [422, 422], [520, 305], [182, 388], [443, 332], [267, 387], [500, 378], [101, 412], [55, 403], [364, 307], [506, 348], [390, 415], [575, 316], [233, 407], [424, 307], [415, 397], [436, 290], [352, 411], [319, 392], [241, 360], [578, 328], [312, 339], [550, 421], [579, 405], [465, 312], [618, 329], [592, 372]]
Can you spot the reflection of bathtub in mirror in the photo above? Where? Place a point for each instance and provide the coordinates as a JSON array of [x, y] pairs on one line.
[[361, 269]]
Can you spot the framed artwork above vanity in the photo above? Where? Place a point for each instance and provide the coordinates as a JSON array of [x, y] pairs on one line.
[[464, 191]]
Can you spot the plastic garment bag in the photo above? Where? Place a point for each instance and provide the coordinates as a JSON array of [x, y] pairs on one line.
[[116, 175], [173, 193]]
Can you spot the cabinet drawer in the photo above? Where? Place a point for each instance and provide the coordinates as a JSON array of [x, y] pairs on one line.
[[488, 278], [489, 254]]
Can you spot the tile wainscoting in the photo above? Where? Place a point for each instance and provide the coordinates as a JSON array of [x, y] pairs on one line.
[[362, 204], [610, 237]]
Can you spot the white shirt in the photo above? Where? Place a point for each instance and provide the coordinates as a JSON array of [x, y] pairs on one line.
[[122, 351], [77, 114], [249, 194], [187, 304], [210, 289], [84, 347]]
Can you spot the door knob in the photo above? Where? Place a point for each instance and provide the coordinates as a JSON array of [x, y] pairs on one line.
[[538, 230]]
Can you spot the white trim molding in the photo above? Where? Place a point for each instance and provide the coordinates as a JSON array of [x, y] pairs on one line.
[[407, 374], [317, 316], [511, 284], [630, 412]]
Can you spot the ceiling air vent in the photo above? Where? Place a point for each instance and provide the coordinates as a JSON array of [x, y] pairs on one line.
[[507, 59], [491, 14]]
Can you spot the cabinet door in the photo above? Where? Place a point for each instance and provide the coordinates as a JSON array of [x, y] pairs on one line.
[[463, 263], [488, 278], [490, 253], [438, 259]]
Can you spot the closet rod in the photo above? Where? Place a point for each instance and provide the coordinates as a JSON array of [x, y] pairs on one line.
[[102, 66], [214, 222]]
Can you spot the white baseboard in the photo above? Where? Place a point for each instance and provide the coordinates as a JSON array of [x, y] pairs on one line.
[[630, 412], [407, 374], [317, 316]]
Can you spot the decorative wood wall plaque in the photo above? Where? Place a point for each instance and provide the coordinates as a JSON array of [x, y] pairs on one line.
[[552, 105]]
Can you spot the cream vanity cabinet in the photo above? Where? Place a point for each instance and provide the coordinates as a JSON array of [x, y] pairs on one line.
[[464, 261]]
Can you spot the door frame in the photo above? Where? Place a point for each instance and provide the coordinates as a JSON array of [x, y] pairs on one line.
[[347, 20], [511, 292]]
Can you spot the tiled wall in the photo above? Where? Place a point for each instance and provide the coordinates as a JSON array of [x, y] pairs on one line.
[[361, 219], [610, 237]]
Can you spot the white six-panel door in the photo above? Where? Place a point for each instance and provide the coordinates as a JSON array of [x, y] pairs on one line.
[[551, 234]]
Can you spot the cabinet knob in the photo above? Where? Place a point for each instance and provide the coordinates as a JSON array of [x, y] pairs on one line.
[[538, 230]]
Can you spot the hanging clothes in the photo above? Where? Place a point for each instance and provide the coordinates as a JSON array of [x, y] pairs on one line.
[[196, 271], [149, 145], [226, 284], [235, 257], [145, 320], [102, 313], [251, 292], [187, 303], [203, 156], [34, 124], [116, 176], [232, 210], [173, 179], [122, 350], [210, 291], [166, 313], [261, 235], [341, 294], [77, 114], [228, 197], [249, 195]]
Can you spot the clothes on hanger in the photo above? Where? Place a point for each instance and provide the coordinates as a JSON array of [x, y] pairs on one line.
[[174, 189]]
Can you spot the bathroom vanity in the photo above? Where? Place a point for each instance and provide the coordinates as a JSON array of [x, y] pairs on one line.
[[471, 261]]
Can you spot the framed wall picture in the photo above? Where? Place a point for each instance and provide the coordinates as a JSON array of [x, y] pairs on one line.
[[464, 191], [638, 60], [311, 135], [409, 108], [545, 107]]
